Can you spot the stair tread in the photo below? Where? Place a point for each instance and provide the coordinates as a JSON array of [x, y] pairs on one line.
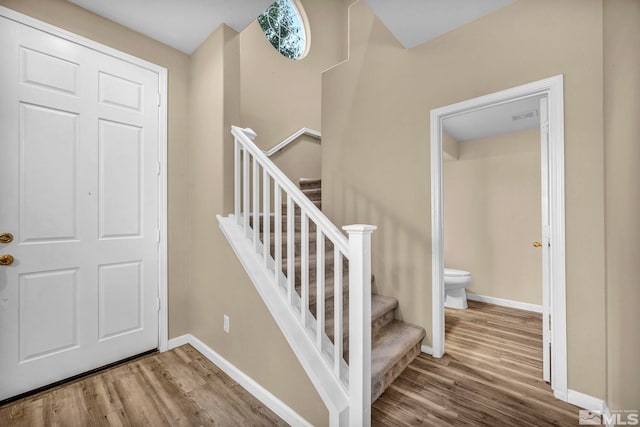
[[391, 343], [312, 190], [380, 305], [305, 183]]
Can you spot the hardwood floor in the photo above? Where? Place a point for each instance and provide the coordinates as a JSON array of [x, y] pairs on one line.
[[491, 375], [177, 388]]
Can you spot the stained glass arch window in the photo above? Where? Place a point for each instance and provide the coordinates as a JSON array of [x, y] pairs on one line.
[[283, 26]]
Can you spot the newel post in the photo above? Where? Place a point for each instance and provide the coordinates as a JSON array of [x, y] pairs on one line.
[[237, 170], [359, 323]]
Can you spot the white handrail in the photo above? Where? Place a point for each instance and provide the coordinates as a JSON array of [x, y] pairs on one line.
[[338, 383], [312, 211], [304, 131]]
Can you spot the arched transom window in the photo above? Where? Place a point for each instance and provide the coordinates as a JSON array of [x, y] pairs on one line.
[[283, 26]]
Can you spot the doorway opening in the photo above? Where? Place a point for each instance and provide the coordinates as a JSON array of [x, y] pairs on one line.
[[549, 94]]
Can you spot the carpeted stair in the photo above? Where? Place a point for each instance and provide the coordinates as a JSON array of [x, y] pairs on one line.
[[394, 343]]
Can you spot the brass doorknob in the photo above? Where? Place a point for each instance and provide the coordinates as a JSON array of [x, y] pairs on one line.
[[537, 244], [6, 238], [6, 259]]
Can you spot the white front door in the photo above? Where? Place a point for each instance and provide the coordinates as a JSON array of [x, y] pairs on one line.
[[79, 192]]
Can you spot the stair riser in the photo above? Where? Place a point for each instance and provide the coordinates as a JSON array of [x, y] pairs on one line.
[[297, 224], [328, 275], [310, 184], [376, 326], [328, 250], [313, 195], [378, 385]]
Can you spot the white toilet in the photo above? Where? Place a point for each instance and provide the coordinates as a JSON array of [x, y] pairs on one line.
[[455, 282]]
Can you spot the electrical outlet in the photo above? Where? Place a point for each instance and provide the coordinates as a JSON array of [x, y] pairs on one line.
[[226, 323]]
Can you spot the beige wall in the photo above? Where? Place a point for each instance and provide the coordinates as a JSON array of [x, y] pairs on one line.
[[279, 96], [219, 285], [622, 179], [492, 215], [375, 161], [87, 24]]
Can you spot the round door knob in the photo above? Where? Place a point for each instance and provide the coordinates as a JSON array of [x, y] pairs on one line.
[[537, 244], [6, 259], [6, 238]]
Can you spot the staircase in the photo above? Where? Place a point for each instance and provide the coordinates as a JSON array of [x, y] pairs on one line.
[[317, 285], [394, 343]]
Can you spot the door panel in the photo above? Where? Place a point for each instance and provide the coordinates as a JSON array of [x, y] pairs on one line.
[[79, 143], [48, 313], [120, 92], [120, 178], [120, 287], [48, 134], [48, 71]]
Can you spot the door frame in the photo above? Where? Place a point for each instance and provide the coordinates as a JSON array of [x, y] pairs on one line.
[[553, 89], [163, 320]]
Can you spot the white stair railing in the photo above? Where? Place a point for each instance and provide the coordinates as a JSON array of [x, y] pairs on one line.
[[258, 185], [294, 136]]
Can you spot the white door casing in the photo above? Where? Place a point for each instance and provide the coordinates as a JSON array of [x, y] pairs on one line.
[[82, 142], [544, 232], [552, 89]]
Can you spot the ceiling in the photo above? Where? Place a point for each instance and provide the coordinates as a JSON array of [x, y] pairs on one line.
[[182, 24], [495, 120], [185, 24], [413, 22]]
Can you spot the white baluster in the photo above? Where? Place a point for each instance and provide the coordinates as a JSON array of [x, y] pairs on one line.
[[291, 250], [319, 287], [304, 267], [266, 216], [277, 222], [338, 310], [360, 323], [236, 180], [256, 205], [245, 191]]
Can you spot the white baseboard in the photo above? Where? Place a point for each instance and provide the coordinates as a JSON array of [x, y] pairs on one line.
[[426, 349], [505, 302], [263, 395], [591, 403], [178, 341], [585, 401]]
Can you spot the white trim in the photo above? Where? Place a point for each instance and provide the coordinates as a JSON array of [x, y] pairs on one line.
[[332, 392], [256, 390], [553, 88], [178, 341], [437, 237], [585, 401], [505, 302], [426, 349], [163, 313], [304, 131], [163, 205]]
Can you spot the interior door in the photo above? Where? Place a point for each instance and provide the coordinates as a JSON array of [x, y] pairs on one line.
[[79, 195], [546, 268]]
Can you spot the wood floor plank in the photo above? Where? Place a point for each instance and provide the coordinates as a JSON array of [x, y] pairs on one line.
[[175, 388], [490, 375]]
